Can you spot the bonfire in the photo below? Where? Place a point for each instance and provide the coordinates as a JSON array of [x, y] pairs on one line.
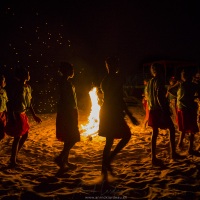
[[92, 127]]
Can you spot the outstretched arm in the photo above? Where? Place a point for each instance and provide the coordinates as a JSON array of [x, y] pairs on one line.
[[131, 117], [36, 118]]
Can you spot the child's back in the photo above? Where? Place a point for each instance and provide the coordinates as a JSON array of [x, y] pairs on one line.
[[3, 107]]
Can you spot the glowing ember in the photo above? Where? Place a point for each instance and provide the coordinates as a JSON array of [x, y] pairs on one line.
[[92, 127]]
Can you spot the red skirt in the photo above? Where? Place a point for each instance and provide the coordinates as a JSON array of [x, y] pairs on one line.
[[19, 127], [187, 121], [2, 124], [160, 119]]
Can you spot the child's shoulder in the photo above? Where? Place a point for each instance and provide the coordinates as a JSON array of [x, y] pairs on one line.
[[28, 86], [3, 91]]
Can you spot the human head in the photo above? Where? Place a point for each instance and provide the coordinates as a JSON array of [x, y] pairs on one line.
[[172, 80], [2, 81], [112, 64], [22, 74], [66, 69], [156, 69], [186, 74], [145, 81], [196, 78]]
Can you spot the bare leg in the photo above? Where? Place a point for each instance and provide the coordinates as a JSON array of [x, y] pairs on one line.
[[172, 141], [22, 141], [2, 134], [14, 151], [182, 136], [191, 142], [191, 150], [106, 153], [144, 126], [65, 152], [123, 142], [153, 144], [62, 158]]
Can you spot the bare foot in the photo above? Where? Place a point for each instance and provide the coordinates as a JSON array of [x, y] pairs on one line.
[[157, 162], [58, 160], [194, 153], [71, 165]]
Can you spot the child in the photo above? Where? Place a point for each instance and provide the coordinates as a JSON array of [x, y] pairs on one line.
[[3, 106], [159, 115], [20, 101], [187, 109], [172, 98], [67, 129], [145, 105], [196, 80], [112, 124]]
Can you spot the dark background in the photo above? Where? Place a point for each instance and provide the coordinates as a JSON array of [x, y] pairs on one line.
[[40, 34]]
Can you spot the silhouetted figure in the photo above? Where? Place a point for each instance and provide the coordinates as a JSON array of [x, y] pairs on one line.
[[20, 102], [145, 105], [196, 79], [112, 124], [3, 106], [159, 114], [67, 129], [187, 109], [172, 98]]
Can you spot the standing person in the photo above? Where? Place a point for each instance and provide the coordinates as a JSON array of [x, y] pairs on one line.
[[145, 105], [20, 102], [3, 106], [67, 129], [187, 109], [112, 124], [172, 98], [159, 114], [196, 80]]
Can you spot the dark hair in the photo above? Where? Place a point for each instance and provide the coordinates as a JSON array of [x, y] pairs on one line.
[[113, 63], [158, 68], [21, 73], [2, 77], [146, 79], [188, 73], [172, 79], [66, 68]]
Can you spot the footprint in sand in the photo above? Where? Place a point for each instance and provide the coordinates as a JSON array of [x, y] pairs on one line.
[[101, 179]]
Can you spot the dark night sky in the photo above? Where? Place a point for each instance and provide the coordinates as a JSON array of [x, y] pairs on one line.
[[40, 34], [134, 30]]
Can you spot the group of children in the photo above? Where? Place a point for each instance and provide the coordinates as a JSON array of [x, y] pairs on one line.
[[172, 107], [13, 106], [158, 102], [15, 101], [14, 121]]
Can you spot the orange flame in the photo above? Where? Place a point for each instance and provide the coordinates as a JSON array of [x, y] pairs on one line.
[[92, 127]]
